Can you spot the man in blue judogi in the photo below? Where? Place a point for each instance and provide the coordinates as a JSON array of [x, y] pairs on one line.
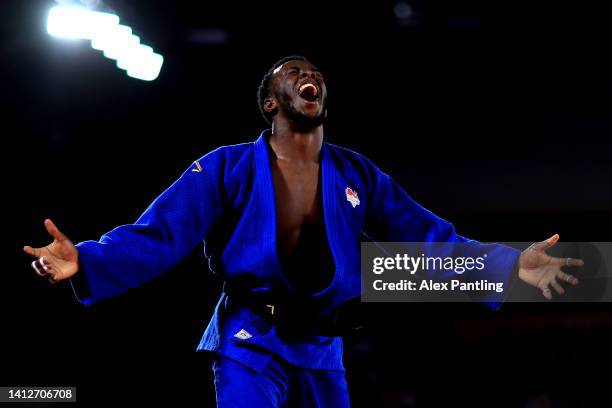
[[282, 219]]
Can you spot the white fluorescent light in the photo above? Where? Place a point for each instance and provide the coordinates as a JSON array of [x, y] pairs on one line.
[[78, 23], [147, 68], [115, 41], [133, 56]]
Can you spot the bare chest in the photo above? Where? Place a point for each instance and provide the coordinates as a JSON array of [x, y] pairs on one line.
[[298, 195], [298, 201]]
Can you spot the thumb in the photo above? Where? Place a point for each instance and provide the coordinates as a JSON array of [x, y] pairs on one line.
[[54, 231], [544, 245]]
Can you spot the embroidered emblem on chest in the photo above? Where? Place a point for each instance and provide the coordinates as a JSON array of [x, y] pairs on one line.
[[243, 335], [352, 197]]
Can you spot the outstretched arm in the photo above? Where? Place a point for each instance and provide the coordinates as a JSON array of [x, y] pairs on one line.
[[394, 216], [169, 229]]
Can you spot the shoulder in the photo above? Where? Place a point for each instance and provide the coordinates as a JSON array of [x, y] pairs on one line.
[[225, 160], [227, 155], [357, 161], [226, 167]]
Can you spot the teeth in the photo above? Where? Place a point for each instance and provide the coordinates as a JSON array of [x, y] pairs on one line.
[[306, 86]]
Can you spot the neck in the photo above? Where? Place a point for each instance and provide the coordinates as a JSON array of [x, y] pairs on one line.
[[296, 145]]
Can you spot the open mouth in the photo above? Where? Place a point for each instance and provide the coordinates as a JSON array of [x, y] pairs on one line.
[[309, 92]]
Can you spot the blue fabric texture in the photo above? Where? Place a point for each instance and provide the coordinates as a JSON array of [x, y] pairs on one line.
[[226, 200], [278, 384]]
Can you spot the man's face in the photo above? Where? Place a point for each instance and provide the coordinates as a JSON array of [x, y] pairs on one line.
[[299, 90]]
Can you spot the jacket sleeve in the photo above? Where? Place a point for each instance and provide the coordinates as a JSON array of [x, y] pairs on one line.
[[393, 216], [168, 230]]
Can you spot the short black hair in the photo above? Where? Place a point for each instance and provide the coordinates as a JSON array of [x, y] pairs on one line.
[[264, 88]]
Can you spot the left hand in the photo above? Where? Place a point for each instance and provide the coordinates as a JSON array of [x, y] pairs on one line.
[[541, 270]]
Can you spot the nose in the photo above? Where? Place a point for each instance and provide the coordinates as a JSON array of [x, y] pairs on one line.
[[308, 74]]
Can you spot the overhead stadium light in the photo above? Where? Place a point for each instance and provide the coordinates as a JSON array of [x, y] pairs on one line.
[[116, 41], [132, 55], [119, 41], [79, 23], [106, 40], [146, 68]]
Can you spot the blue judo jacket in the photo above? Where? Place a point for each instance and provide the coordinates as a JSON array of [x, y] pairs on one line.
[[226, 201]]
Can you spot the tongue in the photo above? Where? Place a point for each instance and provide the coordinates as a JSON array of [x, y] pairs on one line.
[[309, 93]]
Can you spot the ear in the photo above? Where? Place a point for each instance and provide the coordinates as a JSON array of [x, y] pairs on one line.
[[270, 105]]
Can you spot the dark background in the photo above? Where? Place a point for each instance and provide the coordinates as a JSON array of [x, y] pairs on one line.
[[494, 115]]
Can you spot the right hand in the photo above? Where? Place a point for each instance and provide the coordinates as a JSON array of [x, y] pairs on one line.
[[59, 259]]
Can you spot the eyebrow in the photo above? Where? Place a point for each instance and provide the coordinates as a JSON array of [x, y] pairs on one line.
[[299, 69]]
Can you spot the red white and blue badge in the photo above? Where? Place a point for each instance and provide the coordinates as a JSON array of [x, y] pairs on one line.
[[352, 197]]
